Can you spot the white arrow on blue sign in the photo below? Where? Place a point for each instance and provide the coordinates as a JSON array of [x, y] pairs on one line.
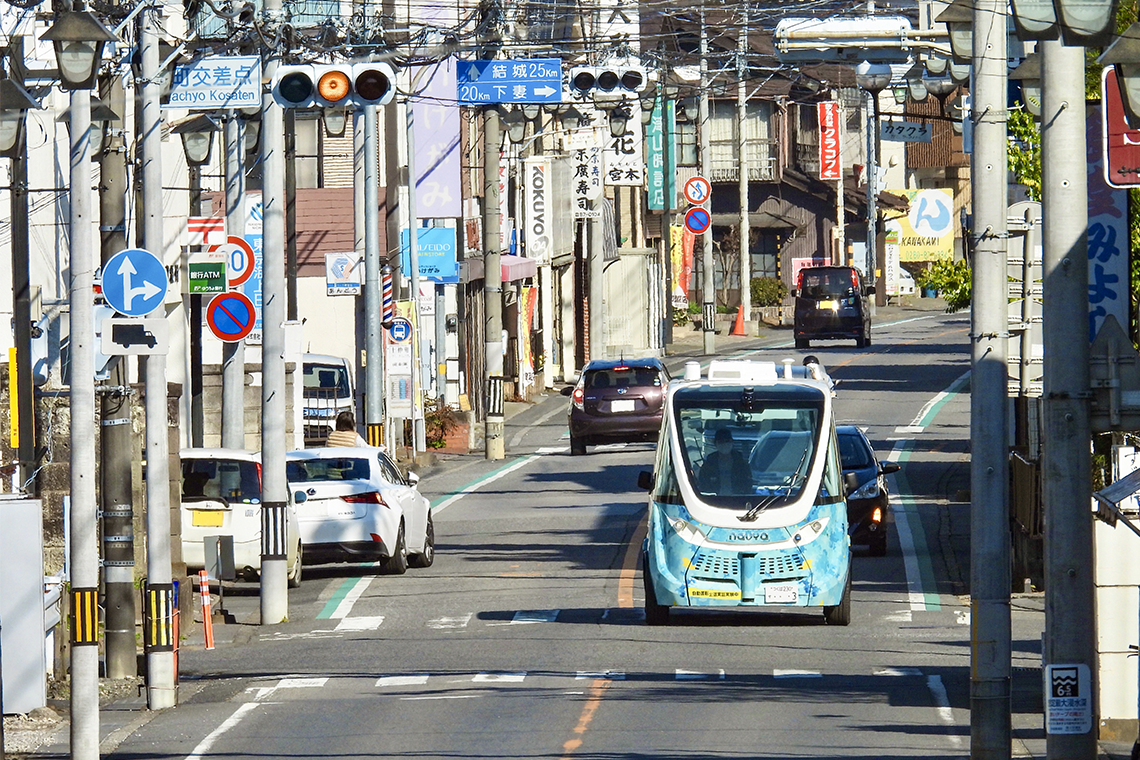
[[134, 282], [524, 80]]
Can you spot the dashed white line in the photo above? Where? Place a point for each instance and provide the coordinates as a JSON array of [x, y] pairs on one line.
[[498, 678], [350, 598], [360, 623], [418, 679], [443, 623], [898, 672], [206, 744], [696, 675], [942, 702], [795, 673]]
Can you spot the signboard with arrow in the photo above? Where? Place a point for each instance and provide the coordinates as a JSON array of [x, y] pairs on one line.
[[134, 282]]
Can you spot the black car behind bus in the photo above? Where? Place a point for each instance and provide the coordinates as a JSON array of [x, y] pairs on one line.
[[831, 304]]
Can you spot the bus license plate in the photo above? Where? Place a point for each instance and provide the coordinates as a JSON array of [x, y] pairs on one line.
[[782, 593], [206, 518]]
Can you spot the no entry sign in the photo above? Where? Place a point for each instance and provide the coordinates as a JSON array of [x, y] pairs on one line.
[[230, 316]]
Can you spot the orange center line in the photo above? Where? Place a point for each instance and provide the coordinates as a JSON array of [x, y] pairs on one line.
[[597, 690], [629, 565]]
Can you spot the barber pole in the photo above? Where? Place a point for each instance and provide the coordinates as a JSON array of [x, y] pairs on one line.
[[388, 301]]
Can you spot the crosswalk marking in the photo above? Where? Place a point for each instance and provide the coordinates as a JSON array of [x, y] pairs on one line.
[[523, 617], [898, 672], [360, 623], [552, 449], [611, 675], [696, 675], [795, 673], [414, 680], [442, 623], [498, 677]]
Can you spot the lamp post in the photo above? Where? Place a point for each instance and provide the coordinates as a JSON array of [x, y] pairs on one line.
[[959, 20], [874, 78], [1124, 55], [78, 38]]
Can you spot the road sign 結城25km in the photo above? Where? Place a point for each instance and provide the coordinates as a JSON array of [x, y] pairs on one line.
[[534, 80]]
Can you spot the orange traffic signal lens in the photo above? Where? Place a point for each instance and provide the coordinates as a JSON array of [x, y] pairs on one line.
[[333, 86]]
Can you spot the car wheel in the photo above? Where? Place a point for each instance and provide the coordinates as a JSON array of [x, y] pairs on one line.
[[840, 614], [427, 556], [879, 544], [295, 576], [577, 447], [655, 614], [803, 343], [861, 341], [398, 563]]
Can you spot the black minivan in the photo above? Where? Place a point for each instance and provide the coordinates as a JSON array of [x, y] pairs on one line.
[[831, 304]]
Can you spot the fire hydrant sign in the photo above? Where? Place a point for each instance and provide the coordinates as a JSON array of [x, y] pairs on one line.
[[1068, 699]]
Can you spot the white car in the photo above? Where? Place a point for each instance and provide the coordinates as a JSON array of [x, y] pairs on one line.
[[905, 283], [359, 507], [221, 496]]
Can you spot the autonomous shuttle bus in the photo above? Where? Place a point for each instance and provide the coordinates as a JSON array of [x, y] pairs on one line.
[[747, 502]]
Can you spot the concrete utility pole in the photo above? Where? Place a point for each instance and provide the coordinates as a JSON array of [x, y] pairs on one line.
[[233, 354], [875, 269], [597, 289], [116, 437], [990, 737], [708, 267], [742, 149], [161, 689], [275, 488], [366, 127], [420, 370], [840, 201], [84, 549], [670, 188], [1069, 588], [494, 444]]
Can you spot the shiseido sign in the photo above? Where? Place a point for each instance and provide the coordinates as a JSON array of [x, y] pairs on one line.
[[829, 136]]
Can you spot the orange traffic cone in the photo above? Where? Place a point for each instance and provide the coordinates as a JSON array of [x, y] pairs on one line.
[[738, 327]]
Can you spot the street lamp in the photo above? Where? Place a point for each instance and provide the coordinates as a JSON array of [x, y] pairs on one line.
[[1081, 22], [78, 38], [619, 117], [516, 122], [959, 20], [14, 105], [1124, 54], [101, 116], [1029, 73], [874, 78], [197, 135]]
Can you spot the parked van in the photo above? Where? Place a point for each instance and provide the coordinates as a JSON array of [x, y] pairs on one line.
[[831, 304], [327, 391]]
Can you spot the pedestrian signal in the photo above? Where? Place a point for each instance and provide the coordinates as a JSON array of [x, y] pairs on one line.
[[333, 85]]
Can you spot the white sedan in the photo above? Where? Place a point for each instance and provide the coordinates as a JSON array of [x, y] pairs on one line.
[[359, 507]]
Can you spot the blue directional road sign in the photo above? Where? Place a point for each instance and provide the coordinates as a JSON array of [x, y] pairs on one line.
[[532, 80], [401, 330], [134, 282]]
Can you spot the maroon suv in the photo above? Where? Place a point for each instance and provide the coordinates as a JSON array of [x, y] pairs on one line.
[[616, 400]]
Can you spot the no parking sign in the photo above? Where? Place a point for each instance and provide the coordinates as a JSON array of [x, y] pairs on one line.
[[231, 316]]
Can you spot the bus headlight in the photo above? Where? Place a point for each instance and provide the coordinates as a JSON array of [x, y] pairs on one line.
[[687, 530]]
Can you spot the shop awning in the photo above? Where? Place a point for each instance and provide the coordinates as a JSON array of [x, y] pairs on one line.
[[518, 267]]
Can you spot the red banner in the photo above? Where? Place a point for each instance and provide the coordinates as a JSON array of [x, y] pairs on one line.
[[829, 136], [1121, 143]]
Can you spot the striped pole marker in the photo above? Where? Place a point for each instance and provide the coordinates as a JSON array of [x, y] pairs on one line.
[[158, 617], [85, 616], [388, 310], [207, 615], [375, 433]]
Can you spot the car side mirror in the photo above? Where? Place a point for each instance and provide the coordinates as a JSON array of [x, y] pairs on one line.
[[567, 391], [300, 497], [413, 479], [887, 468], [645, 480], [793, 292], [851, 481]]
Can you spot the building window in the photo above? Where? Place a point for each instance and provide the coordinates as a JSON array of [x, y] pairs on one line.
[[686, 141]]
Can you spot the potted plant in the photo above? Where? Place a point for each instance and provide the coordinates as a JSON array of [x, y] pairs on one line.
[[929, 281]]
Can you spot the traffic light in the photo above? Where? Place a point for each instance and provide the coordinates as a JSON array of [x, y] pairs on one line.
[[333, 85], [615, 79]]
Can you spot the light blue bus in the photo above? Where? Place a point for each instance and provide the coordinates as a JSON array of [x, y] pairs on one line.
[[747, 504]]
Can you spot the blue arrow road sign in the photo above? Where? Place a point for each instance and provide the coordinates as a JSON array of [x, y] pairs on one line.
[[401, 329], [134, 282], [533, 80]]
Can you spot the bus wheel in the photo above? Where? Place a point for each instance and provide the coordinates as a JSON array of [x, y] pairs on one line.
[[655, 614], [840, 614]]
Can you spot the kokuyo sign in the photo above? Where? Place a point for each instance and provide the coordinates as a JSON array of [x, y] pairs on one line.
[[536, 189]]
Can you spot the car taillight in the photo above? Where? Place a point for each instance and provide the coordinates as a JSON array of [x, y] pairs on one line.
[[577, 398], [800, 280], [371, 497], [877, 515], [854, 280]]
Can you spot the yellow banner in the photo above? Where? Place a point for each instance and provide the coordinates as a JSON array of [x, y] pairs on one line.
[[926, 232], [13, 402]]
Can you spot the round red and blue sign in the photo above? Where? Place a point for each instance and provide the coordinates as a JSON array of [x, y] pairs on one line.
[[231, 316], [698, 220]]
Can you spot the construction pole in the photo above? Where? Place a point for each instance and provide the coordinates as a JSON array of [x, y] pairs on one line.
[[366, 127], [743, 165], [495, 446], [708, 267], [233, 354], [990, 737], [275, 488], [420, 368], [161, 689], [84, 701], [116, 437], [1066, 465]]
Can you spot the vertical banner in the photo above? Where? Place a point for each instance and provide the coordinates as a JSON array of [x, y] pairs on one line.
[[624, 164], [252, 287], [681, 242], [586, 158], [829, 136], [1108, 236], [436, 125], [526, 326], [537, 209], [663, 113]]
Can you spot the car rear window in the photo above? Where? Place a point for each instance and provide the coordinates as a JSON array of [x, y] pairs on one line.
[[623, 377], [235, 481], [854, 453], [826, 283], [332, 468]]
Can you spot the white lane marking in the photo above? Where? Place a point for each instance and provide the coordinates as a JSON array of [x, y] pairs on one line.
[[610, 675], [905, 616], [443, 696], [963, 616], [498, 677], [915, 595], [451, 622], [514, 444], [525, 617], [416, 680], [696, 675], [207, 744], [794, 673], [938, 397], [945, 714], [480, 483], [610, 446], [322, 634], [360, 623], [552, 449], [898, 672], [909, 429], [350, 598], [301, 683]]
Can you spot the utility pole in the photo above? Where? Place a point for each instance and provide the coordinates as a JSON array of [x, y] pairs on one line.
[[875, 268], [420, 370], [840, 201], [990, 733], [290, 117], [1069, 589], [366, 127], [161, 689], [233, 354], [494, 444], [275, 489], [116, 437], [742, 164], [708, 267], [84, 550], [597, 292]]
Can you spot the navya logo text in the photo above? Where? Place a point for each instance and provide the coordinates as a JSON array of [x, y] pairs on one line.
[[539, 240], [747, 535]]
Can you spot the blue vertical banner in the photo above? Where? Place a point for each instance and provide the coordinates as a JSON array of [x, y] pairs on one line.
[[1108, 237], [655, 145], [436, 133], [252, 287]]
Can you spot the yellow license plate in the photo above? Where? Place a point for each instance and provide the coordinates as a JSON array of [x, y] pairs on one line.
[[206, 518], [830, 305]]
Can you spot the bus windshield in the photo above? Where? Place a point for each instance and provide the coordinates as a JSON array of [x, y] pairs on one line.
[[739, 443]]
